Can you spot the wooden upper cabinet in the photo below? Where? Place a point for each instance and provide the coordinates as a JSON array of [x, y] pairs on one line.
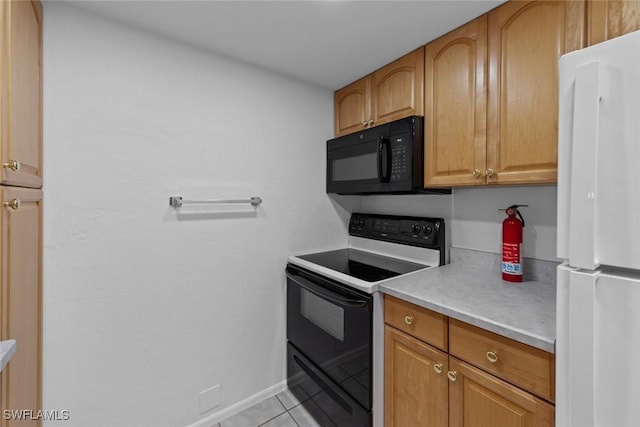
[[526, 40], [21, 93], [479, 399], [398, 89], [455, 106], [608, 19], [393, 92], [352, 107], [20, 319]]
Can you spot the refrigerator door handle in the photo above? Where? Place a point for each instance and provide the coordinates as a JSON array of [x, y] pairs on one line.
[[586, 120]]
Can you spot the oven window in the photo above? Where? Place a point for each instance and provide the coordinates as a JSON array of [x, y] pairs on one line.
[[327, 316], [364, 166]]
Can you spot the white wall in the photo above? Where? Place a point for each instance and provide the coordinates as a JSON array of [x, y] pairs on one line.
[[477, 223], [473, 219], [143, 308]]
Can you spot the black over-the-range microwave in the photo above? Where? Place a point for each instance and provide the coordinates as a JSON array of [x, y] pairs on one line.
[[383, 159]]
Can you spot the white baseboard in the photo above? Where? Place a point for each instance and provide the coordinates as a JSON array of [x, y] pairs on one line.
[[229, 411]]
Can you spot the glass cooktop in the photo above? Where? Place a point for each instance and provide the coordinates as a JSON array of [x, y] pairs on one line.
[[363, 265]]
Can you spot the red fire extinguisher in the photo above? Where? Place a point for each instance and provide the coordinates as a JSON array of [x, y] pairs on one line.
[[511, 245]]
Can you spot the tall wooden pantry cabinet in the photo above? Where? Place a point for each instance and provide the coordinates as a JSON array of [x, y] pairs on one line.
[[21, 210]]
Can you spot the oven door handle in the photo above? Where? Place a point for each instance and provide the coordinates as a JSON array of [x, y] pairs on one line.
[[327, 295], [323, 384]]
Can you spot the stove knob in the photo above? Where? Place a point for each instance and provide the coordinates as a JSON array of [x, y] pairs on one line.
[[428, 230], [361, 223], [416, 229]]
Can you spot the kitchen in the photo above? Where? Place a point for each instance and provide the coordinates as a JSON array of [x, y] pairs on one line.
[[145, 307]]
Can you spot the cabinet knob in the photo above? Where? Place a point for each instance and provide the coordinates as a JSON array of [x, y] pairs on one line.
[[370, 123], [364, 124], [476, 173], [408, 320], [14, 165], [438, 368], [489, 172], [492, 357], [13, 204], [452, 375]]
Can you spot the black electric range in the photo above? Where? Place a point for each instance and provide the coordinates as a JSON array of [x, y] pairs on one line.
[[332, 301]]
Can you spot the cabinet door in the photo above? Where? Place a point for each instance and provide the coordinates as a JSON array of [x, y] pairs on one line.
[[21, 300], [416, 389], [21, 87], [608, 19], [526, 40], [455, 107], [352, 107], [477, 399], [398, 89]]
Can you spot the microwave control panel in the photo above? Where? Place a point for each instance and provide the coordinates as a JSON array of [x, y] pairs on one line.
[[401, 158]]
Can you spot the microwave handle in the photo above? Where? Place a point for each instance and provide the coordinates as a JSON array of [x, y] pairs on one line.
[[384, 146]]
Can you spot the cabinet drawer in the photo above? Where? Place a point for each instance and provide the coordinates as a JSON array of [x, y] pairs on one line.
[[522, 365], [424, 324]]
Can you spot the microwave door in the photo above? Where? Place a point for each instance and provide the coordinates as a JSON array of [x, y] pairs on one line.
[[357, 165]]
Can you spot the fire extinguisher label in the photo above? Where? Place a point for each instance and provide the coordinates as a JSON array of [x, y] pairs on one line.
[[511, 262]]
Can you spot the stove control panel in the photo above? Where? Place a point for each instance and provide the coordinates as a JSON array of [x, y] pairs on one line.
[[415, 231]]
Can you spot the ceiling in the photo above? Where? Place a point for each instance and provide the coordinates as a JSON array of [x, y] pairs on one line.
[[325, 43]]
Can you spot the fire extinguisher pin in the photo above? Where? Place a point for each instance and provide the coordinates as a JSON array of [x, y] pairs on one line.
[[515, 208]]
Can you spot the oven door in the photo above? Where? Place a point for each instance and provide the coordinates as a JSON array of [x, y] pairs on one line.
[[332, 326]]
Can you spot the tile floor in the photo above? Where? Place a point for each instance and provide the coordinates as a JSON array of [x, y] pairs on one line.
[[281, 410]]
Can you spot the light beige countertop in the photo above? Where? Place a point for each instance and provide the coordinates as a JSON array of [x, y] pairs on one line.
[[471, 290]]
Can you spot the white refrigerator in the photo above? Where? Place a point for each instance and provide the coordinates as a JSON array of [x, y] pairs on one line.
[[598, 294]]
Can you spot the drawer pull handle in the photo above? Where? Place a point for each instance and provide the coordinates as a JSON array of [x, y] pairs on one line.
[[438, 368], [492, 357], [452, 375], [408, 320], [13, 204], [14, 165]]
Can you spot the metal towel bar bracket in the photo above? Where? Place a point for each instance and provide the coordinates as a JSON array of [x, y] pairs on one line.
[[177, 201]]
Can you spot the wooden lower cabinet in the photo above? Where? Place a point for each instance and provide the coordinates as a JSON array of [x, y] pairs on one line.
[[478, 399], [21, 296], [415, 382], [426, 386], [524, 366]]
